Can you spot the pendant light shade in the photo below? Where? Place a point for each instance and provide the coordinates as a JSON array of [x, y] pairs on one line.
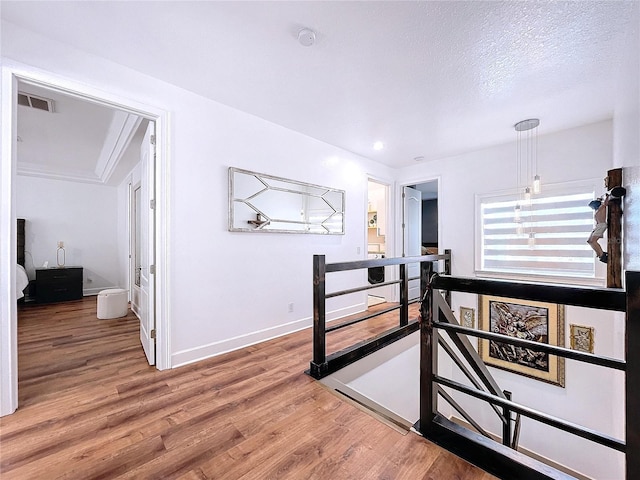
[[536, 184], [517, 213]]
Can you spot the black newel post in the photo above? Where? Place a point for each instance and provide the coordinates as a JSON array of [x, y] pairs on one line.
[[319, 362], [632, 355], [404, 295], [428, 362]]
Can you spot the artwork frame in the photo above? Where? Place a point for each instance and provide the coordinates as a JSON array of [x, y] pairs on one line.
[[525, 319], [468, 317], [582, 338]]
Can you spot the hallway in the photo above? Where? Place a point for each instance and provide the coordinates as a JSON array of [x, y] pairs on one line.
[[91, 407]]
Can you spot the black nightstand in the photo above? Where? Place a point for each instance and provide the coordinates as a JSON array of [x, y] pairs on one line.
[[58, 284]]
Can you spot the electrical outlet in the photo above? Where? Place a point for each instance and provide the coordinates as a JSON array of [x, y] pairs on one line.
[[290, 307], [357, 250]]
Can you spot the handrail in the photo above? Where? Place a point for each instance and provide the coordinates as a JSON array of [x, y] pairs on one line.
[[590, 297], [321, 364], [383, 262], [438, 316]]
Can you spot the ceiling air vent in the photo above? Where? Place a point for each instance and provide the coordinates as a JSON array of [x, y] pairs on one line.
[[33, 101]]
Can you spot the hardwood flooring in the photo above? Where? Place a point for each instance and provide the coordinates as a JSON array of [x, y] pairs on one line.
[[91, 408]]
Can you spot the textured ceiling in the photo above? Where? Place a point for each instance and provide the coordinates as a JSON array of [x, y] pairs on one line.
[[428, 79]]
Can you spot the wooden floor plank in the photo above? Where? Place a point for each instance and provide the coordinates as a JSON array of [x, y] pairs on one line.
[[91, 408]]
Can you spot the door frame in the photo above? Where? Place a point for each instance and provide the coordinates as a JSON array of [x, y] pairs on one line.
[[389, 237], [12, 72], [400, 207]]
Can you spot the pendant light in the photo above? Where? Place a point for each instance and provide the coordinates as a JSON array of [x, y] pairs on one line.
[[528, 154], [526, 173]]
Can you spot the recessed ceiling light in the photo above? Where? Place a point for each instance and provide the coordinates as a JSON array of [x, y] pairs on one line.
[[419, 159], [378, 146]]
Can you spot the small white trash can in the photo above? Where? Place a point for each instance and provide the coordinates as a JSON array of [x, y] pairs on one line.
[[113, 303]]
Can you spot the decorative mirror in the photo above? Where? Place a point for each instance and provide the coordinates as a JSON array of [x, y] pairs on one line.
[[264, 203]]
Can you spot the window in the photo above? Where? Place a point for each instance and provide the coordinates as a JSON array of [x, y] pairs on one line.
[[549, 241]]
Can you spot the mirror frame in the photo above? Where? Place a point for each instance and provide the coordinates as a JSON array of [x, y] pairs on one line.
[[258, 225]]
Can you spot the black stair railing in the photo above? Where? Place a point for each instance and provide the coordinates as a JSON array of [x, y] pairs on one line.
[[324, 364], [491, 456], [482, 380]]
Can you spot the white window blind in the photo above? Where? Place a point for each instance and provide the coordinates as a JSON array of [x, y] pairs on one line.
[[559, 223]]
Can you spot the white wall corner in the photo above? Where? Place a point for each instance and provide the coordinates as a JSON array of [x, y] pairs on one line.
[[122, 129], [631, 218]]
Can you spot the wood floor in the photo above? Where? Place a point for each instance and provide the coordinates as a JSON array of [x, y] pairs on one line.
[[91, 408]]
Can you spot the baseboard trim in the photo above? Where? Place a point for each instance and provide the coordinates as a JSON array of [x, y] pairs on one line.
[[196, 354], [88, 292]]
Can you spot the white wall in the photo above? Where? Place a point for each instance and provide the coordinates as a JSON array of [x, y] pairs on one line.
[[225, 289], [82, 215], [592, 396], [627, 141], [234, 288]]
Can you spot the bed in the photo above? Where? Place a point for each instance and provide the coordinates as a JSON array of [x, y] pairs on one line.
[[22, 280]]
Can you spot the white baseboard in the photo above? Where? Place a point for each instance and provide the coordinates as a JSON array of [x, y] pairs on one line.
[[345, 312], [203, 352], [87, 292]]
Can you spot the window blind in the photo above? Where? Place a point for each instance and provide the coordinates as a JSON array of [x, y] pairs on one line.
[[560, 225]]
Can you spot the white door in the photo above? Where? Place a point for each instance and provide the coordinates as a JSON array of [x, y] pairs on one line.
[[412, 234], [147, 245]]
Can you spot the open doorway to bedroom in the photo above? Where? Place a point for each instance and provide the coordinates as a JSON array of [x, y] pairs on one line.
[[428, 217], [74, 162], [419, 226], [73, 157], [93, 196]]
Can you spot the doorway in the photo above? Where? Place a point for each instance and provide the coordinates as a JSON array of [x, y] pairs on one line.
[[378, 238], [13, 77], [419, 225]]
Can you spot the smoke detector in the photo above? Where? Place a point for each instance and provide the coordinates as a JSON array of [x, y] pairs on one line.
[[306, 37]]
